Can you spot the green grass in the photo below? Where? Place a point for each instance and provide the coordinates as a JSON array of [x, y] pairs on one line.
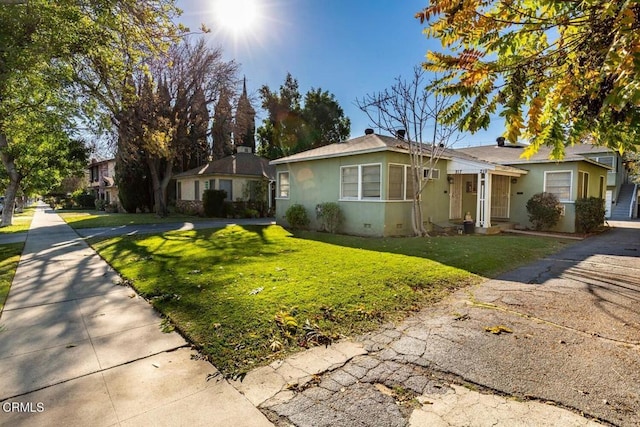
[[247, 295], [9, 257], [93, 219], [21, 222], [484, 255]]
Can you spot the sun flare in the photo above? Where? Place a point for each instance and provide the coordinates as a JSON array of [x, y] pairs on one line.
[[237, 16]]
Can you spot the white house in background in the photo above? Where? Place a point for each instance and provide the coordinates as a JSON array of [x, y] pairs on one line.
[[238, 175]]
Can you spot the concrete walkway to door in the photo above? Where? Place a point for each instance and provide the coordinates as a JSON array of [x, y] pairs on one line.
[[77, 349]]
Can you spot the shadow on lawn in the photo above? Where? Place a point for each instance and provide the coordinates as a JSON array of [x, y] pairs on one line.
[[167, 263]]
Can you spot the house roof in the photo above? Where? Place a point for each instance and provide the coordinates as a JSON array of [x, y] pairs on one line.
[[373, 143], [246, 164], [511, 154], [363, 144]]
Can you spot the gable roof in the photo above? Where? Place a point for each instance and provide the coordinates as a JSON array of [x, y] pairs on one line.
[[372, 143], [510, 154], [245, 164]]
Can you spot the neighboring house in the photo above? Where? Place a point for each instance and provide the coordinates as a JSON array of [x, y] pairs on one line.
[[238, 175], [101, 175], [367, 177]]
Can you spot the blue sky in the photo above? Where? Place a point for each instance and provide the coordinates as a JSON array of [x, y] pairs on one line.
[[349, 47]]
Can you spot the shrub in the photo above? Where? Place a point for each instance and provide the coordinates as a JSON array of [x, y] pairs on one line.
[[100, 204], [84, 200], [213, 203], [297, 216], [589, 214], [544, 210], [330, 216]]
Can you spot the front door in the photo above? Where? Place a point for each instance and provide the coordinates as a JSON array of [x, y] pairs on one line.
[[455, 197], [500, 189]]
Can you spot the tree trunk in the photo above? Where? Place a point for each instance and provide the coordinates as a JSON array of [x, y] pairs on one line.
[[15, 178], [160, 182]]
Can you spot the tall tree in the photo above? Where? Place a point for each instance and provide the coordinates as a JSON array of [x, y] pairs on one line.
[[245, 123], [160, 127], [197, 151], [324, 119], [559, 71], [57, 57], [222, 127], [406, 109], [290, 128], [281, 130]]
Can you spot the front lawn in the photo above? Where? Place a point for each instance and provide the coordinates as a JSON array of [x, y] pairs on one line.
[[248, 294], [9, 258], [95, 219]]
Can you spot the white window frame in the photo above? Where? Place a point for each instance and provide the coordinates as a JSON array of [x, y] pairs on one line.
[[360, 197], [279, 186], [406, 176], [570, 172]]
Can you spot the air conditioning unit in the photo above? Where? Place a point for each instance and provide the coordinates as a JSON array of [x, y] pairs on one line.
[[435, 173]]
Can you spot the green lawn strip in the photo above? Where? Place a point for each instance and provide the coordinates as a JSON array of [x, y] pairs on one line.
[[245, 294], [9, 257], [94, 219], [21, 222], [484, 255]]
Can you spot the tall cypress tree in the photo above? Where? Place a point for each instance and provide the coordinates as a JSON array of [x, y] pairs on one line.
[[245, 125], [222, 127]]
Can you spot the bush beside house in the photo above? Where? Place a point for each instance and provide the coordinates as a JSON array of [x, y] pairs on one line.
[[544, 211], [590, 214]]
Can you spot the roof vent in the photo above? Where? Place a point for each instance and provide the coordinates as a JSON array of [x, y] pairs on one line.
[[500, 141], [400, 133], [368, 131]]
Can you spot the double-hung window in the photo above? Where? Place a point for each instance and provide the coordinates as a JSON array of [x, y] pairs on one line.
[[284, 185], [360, 182], [558, 183]]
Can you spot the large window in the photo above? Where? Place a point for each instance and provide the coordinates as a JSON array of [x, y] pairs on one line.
[[361, 182], [558, 183], [284, 185]]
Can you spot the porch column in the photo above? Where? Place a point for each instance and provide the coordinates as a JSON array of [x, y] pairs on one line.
[[483, 208]]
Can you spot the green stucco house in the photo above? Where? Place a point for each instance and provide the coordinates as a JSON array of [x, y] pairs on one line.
[[367, 177]]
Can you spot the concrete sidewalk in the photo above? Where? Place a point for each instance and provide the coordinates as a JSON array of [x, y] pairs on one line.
[[76, 349]]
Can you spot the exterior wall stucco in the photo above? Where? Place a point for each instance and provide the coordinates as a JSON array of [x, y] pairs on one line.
[[318, 181]]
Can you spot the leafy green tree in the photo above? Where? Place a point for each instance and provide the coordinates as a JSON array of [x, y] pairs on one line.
[[291, 128], [281, 131], [324, 119], [559, 72], [59, 57]]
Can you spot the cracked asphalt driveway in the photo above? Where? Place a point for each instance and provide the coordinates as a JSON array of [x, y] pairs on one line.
[[564, 331]]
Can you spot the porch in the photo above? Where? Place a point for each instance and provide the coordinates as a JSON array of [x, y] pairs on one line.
[[481, 193]]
